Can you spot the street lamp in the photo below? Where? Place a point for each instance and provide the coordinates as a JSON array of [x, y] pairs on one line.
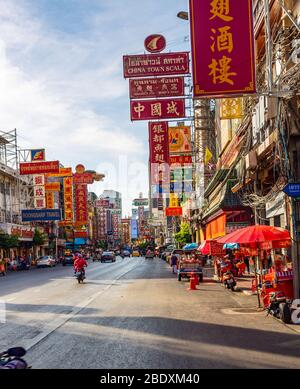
[[183, 15]]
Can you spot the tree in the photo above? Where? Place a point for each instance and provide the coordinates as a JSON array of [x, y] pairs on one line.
[[8, 241], [39, 238], [183, 236]]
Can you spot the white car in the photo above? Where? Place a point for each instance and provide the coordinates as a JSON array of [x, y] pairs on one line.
[[46, 261]]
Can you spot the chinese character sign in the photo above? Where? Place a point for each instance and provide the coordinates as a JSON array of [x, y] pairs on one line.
[[159, 142], [68, 199], [157, 109], [81, 203], [222, 47], [143, 88]]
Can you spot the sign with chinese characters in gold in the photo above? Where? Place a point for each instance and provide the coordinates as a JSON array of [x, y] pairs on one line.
[[232, 108], [49, 200], [68, 199], [157, 109], [222, 47]]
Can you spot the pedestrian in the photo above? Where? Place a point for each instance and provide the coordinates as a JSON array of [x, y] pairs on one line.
[[174, 263], [247, 263], [2, 267]]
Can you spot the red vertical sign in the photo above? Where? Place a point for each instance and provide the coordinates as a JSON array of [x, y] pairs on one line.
[[222, 47], [81, 203], [159, 151]]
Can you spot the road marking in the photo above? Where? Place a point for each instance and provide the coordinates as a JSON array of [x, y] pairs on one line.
[[60, 321]]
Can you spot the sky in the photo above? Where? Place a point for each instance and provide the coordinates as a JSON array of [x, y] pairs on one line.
[[62, 85]]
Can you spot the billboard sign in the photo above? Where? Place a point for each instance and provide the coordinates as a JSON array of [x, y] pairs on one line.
[[150, 65], [180, 140], [35, 215], [37, 155], [157, 109], [31, 168], [174, 211], [144, 88], [222, 47]]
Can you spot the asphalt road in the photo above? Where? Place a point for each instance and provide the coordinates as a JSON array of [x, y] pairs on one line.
[[134, 314]]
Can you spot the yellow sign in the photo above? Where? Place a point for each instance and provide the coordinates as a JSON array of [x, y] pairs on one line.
[[231, 109], [50, 200], [208, 155], [52, 186], [63, 172], [180, 140], [174, 200]]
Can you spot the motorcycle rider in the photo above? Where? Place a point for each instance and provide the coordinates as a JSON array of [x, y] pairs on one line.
[[79, 264]]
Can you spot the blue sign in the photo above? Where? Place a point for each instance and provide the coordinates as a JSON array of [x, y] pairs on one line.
[[292, 190], [40, 215], [134, 229]]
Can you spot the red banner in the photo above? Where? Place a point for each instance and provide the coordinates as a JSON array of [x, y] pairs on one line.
[[28, 168], [222, 47], [81, 203], [155, 65], [174, 211], [157, 109], [144, 88], [83, 178], [159, 142]]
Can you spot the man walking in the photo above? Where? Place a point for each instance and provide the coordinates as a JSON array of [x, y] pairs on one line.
[[174, 263]]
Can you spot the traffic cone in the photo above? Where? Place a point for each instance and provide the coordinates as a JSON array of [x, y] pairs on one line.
[[192, 283]]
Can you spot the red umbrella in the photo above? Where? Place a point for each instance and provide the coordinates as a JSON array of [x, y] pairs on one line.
[[264, 237]]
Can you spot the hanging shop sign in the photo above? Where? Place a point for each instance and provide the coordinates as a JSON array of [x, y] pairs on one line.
[[140, 202], [174, 211], [39, 180], [180, 140], [23, 233], [30, 168], [181, 160], [157, 109], [36, 215], [50, 203], [159, 143], [37, 155], [155, 65], [63, 172], [102, 203], [52, 186], [68, 199], [81, 203], [292, 190], [144, 88], [231, 108], [155, 43], [222, 47]]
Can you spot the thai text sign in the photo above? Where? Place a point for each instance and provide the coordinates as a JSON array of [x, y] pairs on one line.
[[159, 142], [222, 47], [29, 168], [157, 109], [156, 65], [63, 172], [180, 140], [156, 87], [34, 215]]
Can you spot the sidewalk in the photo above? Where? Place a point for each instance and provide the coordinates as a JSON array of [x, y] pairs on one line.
[[244, 284]]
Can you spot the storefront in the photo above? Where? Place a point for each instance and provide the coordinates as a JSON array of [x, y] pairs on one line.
[[25, 236]]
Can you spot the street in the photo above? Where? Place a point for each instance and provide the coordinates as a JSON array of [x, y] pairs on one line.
[[135, 314]]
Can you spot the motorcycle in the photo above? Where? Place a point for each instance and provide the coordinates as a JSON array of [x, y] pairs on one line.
[[229, 281], [80, 275], [12, 359], [279, 306]]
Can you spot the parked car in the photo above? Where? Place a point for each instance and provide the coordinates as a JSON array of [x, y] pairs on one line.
[[135, 253], [108, 256], [46, 261], [125, 253], [68, 260]]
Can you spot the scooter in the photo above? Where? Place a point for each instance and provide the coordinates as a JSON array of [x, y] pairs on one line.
[[80, 276], [279, 306], [229, 281], [12, 359]]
